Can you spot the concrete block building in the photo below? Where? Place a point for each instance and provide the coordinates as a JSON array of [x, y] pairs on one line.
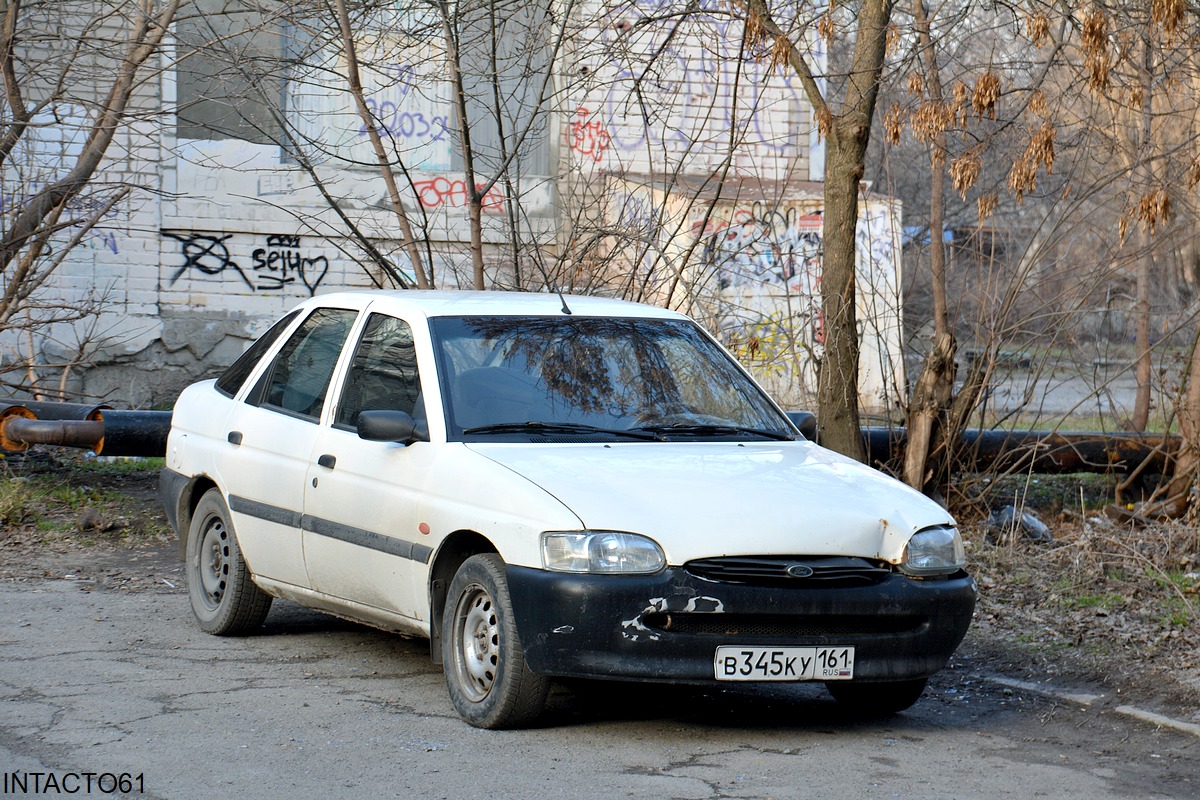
[[627, 148]]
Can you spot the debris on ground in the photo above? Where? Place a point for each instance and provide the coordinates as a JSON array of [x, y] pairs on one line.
[[1004, 523]]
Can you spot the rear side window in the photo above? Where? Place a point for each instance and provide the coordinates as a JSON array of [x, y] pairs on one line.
[[299, 377], [231, 380]]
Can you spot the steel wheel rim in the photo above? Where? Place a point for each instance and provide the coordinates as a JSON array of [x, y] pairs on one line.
[[212, 562], [476, 643]]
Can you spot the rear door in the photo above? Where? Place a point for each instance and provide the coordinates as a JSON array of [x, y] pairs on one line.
[[269, 442]]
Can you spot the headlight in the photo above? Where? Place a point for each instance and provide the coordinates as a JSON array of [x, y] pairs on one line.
[[936, 551], [608, 552]]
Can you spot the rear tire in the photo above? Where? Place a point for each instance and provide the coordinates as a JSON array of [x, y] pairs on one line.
[[489, 682], [877, 699], [225, 600]]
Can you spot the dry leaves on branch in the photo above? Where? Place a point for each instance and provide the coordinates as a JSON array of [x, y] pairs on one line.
[[1154, 209], [1193, 175], [986, 205], [892, 39], [1095, 48], [1037, 103], [893, 123], [1037, 28], [1022, 178], [930, 119], [825, 28], [962, 97], [916, 84], [824, 123], [1168, 14], [987, 92], [964, 170], [781, 53]]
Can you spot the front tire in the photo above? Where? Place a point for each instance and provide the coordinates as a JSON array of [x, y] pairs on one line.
[[490, 684], [225, 600], [877, 699]]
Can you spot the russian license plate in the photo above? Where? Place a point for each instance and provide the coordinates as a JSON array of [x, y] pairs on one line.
[[733, 663]]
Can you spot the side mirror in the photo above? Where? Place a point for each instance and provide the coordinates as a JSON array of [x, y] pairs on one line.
[[806, 421], [390, 426]]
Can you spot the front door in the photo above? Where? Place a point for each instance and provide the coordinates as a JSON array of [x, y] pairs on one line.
[[362, 538]]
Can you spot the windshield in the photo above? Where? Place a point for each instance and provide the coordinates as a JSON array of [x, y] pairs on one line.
[[516, 377]]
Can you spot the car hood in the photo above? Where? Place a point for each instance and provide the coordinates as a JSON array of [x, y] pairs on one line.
[[705, 499]]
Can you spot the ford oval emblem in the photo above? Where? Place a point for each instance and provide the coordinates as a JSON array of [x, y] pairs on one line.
[[800, 571]]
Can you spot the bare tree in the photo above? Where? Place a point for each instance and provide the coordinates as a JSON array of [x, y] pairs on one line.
[[71, 73], [847, 127]]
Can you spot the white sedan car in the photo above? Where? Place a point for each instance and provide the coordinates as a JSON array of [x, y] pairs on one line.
[[546, 487]]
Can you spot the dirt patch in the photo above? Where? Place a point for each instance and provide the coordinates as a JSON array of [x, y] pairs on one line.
[[1103, 607], [97, 522]]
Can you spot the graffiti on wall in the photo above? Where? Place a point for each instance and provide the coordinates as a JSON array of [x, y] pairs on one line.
[[281, 263], [587, 137], [409, 103], [765, 245], [687, 95], [205, 254], [278, 264], [443, 192], [764, 249]]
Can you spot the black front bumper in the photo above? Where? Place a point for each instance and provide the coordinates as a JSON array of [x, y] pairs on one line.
[[667, 626]]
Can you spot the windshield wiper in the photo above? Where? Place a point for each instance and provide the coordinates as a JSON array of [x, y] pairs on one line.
[[716, 430], [560, 427]]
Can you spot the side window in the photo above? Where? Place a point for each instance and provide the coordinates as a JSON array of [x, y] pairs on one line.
[[383, 375], [299, 377], [232, 379]]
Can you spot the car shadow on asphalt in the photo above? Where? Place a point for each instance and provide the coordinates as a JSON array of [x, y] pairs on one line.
[[579, 702]]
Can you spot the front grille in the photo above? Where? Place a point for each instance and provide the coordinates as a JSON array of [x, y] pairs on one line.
[[826, 571], [780, 626]]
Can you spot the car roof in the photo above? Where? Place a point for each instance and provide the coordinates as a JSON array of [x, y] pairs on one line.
[[453, 303]]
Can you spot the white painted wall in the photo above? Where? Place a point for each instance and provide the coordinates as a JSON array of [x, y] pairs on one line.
[[230, 234]]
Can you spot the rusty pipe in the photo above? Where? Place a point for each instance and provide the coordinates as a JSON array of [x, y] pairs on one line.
[[20, 432]]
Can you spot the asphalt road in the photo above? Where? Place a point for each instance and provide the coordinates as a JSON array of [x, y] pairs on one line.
[[118, 682]]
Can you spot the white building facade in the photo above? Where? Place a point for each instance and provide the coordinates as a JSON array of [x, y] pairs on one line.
[[630, 149]]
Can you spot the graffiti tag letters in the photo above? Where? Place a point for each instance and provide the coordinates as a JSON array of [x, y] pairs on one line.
[[276, 266], [443, 192], [281, 263], [587, 138]]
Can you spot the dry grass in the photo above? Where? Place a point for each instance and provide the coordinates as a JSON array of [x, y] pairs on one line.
[[1117, 602]]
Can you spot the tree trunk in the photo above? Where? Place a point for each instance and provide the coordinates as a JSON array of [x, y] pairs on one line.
[[1145, 265], [845, 162], [1187, 460], [928, 438], [474, 196], [837, 377]]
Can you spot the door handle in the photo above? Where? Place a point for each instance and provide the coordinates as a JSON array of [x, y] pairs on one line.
[[326, 461], [234, 437]]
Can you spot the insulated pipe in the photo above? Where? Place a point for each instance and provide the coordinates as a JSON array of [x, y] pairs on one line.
[[133, 433], [115, 433], [1043, 452], [8, 414], [46, 409]]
